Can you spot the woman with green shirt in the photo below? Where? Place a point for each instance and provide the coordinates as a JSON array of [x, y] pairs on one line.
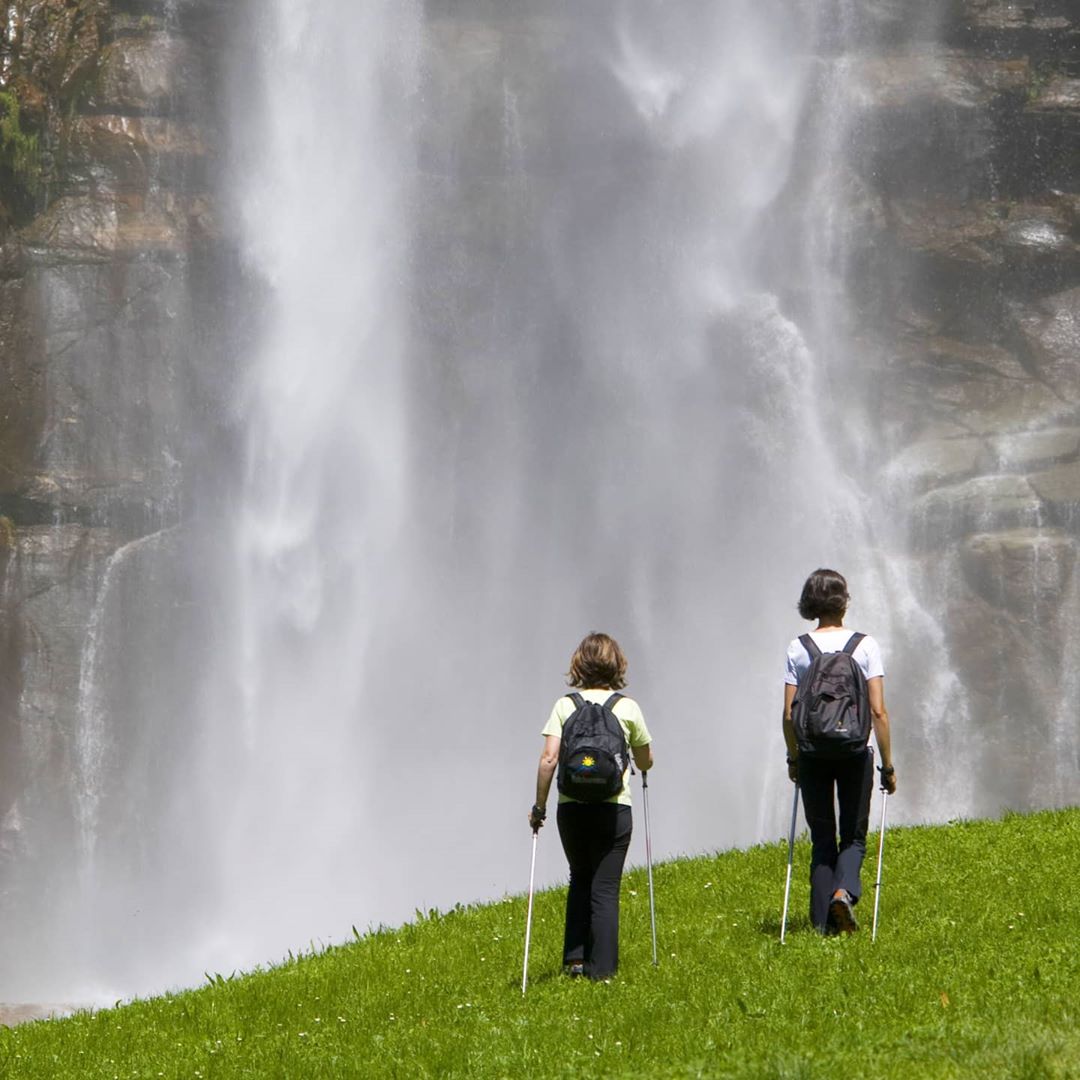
[[595, 836]]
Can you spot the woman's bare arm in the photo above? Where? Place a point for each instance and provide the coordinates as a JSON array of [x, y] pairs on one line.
[[549, 760], [880, 718]]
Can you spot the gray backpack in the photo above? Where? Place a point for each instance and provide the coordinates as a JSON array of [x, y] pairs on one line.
[[831, 711]]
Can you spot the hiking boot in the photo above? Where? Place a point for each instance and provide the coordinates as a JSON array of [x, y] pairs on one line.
[[840, 914]]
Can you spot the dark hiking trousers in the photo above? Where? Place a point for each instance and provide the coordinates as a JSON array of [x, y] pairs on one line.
[[836, 866], [595, 838]]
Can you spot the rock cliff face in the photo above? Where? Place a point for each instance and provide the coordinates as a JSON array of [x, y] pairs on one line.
[[968, 146], [109, 272]]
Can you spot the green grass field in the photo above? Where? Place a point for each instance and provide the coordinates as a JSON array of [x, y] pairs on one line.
[[976, 973]]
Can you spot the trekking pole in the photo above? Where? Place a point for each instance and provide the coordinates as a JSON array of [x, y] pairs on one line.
[[648, 860], [790, 860], [880, 852], [528, 918]]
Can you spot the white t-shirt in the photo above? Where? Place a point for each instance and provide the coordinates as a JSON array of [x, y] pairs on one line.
[[867, 653]]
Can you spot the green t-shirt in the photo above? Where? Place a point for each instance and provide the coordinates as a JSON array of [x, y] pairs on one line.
[[627, 712]]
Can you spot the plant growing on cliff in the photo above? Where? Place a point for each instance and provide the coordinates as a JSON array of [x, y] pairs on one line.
[[19, 154]]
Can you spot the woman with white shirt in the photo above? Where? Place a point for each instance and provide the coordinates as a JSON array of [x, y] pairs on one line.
[[848, 781]]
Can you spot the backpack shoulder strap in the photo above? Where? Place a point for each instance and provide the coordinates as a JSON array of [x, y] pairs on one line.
[[853, 643], [577, 699], [810, 646], [611, 701]]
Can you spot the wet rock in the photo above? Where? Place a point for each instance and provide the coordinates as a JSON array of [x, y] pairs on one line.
[[1059, 488], [1050, 332], [137, 23], [48, 593], [997, 14], [930, 122], [943, 80], [984, 503], [1059, 94], [1032, 229], [113, 339], [1043, 152], [980, 388], [933, 462], [52, 45], [1006, 659], [961, 232], [1014, 15], [22, 389], [985, 234], [878, 21], [93, 228], [155, 74], [1022, 571], [1028, 450], [135, 152], [1006, 629], [52, 557]]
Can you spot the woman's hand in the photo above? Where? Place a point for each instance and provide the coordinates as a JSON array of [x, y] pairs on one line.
[[537, 817], [888, 779]]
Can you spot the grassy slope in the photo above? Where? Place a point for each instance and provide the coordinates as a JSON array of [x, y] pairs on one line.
[[976, 972]]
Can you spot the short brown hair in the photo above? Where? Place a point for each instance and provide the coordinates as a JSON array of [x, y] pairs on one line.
[[825, 593], [598, 662]]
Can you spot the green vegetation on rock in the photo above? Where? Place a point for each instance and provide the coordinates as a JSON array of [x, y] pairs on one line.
[[18, 149], [975, 973]]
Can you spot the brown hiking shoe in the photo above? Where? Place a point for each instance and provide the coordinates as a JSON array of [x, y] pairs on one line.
[[840, 913]]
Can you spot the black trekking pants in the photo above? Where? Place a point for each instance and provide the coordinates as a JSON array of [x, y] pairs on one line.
[[595, 838], [836, 866]]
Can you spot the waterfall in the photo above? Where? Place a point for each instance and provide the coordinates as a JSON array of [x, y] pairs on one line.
[[527, 369], [93, 737], [323, 199], [554, 338]]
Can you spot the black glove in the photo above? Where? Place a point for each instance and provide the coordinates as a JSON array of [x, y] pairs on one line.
[[537, 817]]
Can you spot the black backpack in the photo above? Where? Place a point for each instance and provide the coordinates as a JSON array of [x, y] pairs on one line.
[[831, 710], [593, 754]]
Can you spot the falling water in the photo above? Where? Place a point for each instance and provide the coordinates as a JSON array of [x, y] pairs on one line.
[[93, 736], [527, 370], [323, 199]]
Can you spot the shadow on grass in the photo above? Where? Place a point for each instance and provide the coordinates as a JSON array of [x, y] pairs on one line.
[[796, 924], [544, 977], [539, 979]]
